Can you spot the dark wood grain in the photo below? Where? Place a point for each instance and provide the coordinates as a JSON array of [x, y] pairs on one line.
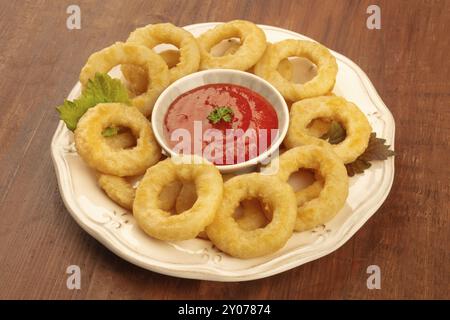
[[407, 60]]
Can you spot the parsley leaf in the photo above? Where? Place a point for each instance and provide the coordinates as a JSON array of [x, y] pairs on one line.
[[376, 150], [336, 134], [110, 131], [357, 166], [220, 113], [102, 88]]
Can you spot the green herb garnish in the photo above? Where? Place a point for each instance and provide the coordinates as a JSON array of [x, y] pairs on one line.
[[221, 113], [102, 88], [335, 134], [377, 149], [110, 131]]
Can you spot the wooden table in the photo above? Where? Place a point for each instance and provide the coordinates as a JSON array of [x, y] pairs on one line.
[[407, 60]]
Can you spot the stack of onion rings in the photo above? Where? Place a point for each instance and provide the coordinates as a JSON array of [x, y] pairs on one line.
[[128, 53], [321, 84], [356, 125]]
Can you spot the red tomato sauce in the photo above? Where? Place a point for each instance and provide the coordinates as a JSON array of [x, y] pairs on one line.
[[252, 115]]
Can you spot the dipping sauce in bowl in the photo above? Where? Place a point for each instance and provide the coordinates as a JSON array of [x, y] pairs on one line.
[[225, 123]]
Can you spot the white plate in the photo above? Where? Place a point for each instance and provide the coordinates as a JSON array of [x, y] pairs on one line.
[[197, 259]]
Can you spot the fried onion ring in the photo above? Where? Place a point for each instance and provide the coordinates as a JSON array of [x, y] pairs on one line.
[[356, 125], [161, 224], [310, 192], [233, 46], [171, 57], [187, 59], [136, 76], [186, 198], [286, 69], [169, 195], [321, 84], [228, 236], [128, 53], [188, 195], [118, 189], [98, 154], [333, 194], [121, 140], [253, 45], [318, 127], [251, 216], [122, 192]]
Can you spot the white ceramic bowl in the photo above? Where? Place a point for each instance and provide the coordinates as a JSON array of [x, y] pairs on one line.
[[241, 78]]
